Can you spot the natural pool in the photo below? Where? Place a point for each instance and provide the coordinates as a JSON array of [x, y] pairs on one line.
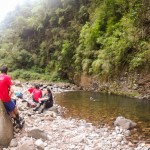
[[100, 108]]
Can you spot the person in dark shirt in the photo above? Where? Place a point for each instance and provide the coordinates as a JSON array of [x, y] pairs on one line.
[[45, 102]]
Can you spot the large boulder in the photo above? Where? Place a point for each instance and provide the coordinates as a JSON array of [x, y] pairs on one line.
[[37, 134], [124, 123], [6, 127]]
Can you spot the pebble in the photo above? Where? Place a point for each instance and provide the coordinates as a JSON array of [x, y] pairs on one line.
[[13, 143]]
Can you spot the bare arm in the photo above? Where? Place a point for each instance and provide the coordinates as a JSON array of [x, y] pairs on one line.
[[11, 91], [43, 99]]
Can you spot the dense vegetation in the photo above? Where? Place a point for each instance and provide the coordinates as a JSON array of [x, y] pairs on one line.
[[63, 38]]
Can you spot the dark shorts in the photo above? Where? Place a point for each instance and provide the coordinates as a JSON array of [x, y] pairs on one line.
[[48, 104], [9, 106]]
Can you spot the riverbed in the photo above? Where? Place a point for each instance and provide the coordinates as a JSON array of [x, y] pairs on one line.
[[100, 109], [50, 130]]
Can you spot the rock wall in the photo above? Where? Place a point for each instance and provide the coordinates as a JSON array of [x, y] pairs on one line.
[[132, 85], [6, 127]]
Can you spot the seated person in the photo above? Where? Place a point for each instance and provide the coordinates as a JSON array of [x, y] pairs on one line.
[[37, 93], [19, 95], [30, 90], [27, 93], [45, 102], [6, 93]]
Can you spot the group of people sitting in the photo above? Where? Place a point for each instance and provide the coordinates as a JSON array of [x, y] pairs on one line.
[[43, 99]]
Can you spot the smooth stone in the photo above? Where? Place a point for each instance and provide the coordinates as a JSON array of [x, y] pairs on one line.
[[6, 127], [13, 143]]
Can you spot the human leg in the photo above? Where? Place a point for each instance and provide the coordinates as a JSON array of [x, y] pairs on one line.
[[13, 112], [42, 107], [38, 106]]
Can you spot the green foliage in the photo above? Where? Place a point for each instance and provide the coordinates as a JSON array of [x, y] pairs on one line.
[[21, 59], [60, 38], [83, 14], [108, 44], [66, 49], [32, 75], [141, 59], [26, 75], [104, 64]]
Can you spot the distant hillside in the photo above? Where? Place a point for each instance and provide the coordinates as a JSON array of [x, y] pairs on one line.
[[64, 38]]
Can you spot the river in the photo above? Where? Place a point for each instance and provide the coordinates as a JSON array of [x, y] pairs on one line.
[[102, 109]]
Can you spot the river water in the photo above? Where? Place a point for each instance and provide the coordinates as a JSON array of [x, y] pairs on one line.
[[102, 109]]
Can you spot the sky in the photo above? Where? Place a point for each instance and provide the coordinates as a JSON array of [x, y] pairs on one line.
[[7, 6]]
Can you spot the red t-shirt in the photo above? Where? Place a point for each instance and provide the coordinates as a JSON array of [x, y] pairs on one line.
[[37, 93], [30, 90], [5, 83]]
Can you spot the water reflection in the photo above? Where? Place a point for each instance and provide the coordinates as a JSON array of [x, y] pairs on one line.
[[102, 108]]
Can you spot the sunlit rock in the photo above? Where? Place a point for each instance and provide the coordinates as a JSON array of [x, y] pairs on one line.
[[40, 144], [37, 134], [6, 127], [27, 145], [13, 143], [124, 123]]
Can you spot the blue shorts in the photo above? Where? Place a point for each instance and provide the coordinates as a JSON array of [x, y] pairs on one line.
[[9, 106]]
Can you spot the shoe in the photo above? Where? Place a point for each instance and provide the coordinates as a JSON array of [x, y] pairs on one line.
[[20, 123], [35, 109], [41, 111], [14, 122], [23, 100]]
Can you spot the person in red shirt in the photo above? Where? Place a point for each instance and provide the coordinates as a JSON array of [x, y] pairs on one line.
[[30, 90], [6, 92], [37, 93]]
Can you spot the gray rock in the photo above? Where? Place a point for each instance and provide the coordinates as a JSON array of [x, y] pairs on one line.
[[17, 83], [119, 139], [127, 133], [114, 144], [6, 127], [13, 143], [124, 123], [54, 109], [40, 144], [27, 145], [37, 134]]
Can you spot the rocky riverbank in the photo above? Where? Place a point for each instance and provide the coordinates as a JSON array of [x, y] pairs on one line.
[[49, 131]]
